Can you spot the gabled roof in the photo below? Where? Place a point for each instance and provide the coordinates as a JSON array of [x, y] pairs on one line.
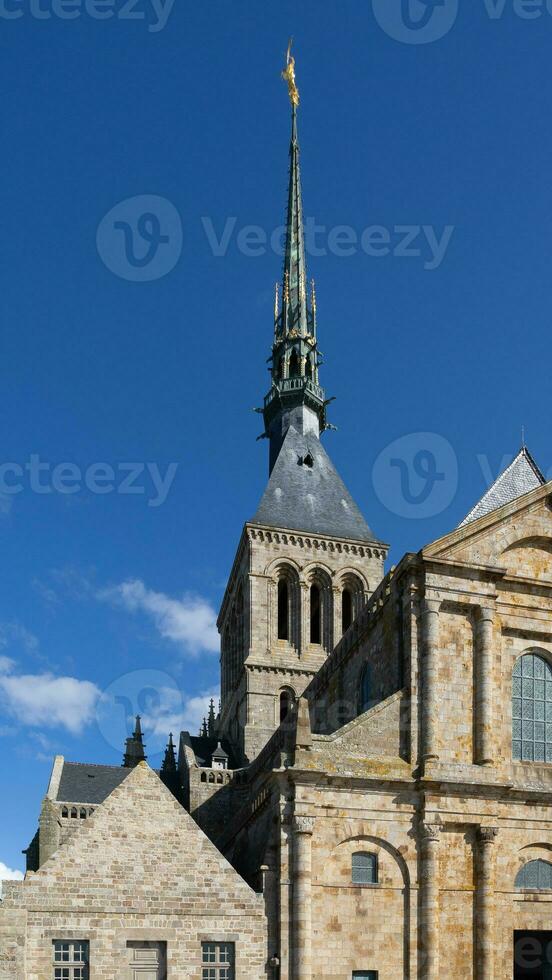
[[307, 494], [519, 478], [85, 783]]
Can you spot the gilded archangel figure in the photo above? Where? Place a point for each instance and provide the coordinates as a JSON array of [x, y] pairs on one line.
[[289, 76]]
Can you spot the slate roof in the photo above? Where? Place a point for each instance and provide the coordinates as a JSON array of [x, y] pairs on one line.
[[310, 498], [519, 478], [84, 782]]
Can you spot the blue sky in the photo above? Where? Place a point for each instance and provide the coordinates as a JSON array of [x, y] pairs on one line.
[[122, 368]]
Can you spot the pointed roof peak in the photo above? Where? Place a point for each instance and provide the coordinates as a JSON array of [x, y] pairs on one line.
[[305, 493], [521, 476], [134, 750], [169, 761]]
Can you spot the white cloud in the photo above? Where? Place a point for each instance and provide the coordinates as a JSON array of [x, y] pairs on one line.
[[11, 633], [190, 621], [9, 874], [173, 713], [46, 700]]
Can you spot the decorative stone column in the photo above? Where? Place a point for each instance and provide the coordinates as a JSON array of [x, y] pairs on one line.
[[429, 902], [484, 903], [301, 914], [483, 687], [304, 625], [430, 680], [335, 593]]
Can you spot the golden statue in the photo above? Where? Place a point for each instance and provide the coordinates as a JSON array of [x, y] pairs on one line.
[[289, 76]]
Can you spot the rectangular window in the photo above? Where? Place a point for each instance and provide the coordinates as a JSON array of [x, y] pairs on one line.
[[364, 870], [365, 975], [70, 959], [218, 961]]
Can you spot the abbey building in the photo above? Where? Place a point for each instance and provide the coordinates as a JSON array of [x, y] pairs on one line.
[[374, 799]]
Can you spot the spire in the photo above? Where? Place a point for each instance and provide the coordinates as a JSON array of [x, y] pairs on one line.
[[169, 762], [295, 317], [295, 398], [134, 752], [212, 721]]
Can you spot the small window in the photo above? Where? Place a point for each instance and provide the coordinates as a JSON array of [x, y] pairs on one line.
[[70, 960], [346, 609], [294, 365], [283, 610], [315, 631], [218, 961], [535, 875], [287, 699], [366, 700], [365, 975], [365, 869]]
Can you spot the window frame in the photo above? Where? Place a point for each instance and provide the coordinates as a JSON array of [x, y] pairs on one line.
[[283, 610], [220, 967], [539, 864], [531, 706], [374, 869], [73, 967]]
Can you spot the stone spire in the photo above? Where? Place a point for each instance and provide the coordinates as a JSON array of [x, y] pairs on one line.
[[134, 752], [169, 762], [212, 721], [295, 397]]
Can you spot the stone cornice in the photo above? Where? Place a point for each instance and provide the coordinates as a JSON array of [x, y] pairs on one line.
[[318, 542]]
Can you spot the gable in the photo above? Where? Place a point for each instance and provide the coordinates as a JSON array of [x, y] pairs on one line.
[[140, 851], [517, 537]]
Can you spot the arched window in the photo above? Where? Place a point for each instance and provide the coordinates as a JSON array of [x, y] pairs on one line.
[[346, 609], [535, 875], [287, 699], [315, 610], [366, 699], [283, 610], [308, 367], [294, 365], [532, 709], [364, 868]]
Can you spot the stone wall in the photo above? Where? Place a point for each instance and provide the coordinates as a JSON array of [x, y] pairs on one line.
[[139, 869]]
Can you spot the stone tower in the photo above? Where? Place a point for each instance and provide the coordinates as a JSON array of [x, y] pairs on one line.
[[307, 561]]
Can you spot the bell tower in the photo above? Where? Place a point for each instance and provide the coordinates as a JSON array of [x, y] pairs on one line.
[[307, 561]]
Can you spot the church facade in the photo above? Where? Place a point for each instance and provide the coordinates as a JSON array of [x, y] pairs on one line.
[[374, 799]]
